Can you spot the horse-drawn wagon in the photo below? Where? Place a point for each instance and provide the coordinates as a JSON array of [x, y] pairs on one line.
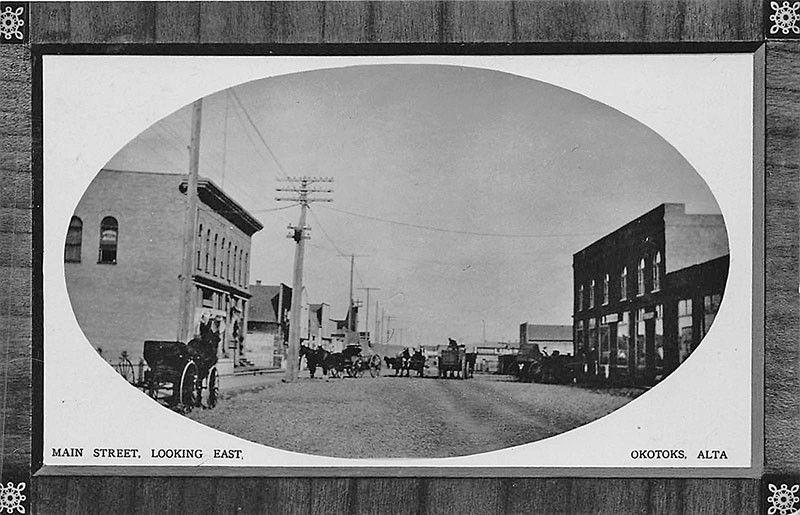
[[182, 376]]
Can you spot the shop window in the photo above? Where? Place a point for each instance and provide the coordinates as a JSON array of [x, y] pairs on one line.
[[685, 342], [199, 245], [580, 297], [591, 294], [579, 344], [605, 343], [659, 339], [623, 284], [623, 341], [640, 340], [657, 272], [72, 248], [592, 344], [710, 307], [605, 289], [640, 278], [109, 235]]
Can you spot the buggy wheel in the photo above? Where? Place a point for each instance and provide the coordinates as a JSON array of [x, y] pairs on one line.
[[188, 386], [212, 395], [375, 369]]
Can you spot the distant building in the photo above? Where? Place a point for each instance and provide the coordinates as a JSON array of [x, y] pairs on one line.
[[320, 326], [549, 338], [646, 294], [488, 354], [268, 324], [123, 261]]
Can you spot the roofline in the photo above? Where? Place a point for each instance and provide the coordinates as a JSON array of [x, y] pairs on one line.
[[635, 220], [232, 210]]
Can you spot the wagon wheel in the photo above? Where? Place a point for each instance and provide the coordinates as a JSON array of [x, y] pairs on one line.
[[212, 392], [188, 386], [358, 367], [375, 366]]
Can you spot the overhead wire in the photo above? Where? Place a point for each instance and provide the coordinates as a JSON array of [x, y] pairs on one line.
[[258, 132], [459, 231]]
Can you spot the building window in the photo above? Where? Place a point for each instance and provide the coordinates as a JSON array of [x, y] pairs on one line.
[[246, 268], [684, 329], [72, 248], [659, 340], [591, 294], [208, 248], [640, 278], [623, 341], [579, 344], [580, 297], [605, 289], [241, 253], [640, 340], [214, 256], [109, 233], [228, 263], [657, 272], [222, 258], [623, 284], [710, 307], [605, 342], [235, 251], [199, 245]]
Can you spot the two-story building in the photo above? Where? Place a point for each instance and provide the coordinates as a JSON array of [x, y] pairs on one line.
[[645, 294], [123, 261]]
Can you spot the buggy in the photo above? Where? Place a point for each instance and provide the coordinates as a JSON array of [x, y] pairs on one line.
[[182, 376]]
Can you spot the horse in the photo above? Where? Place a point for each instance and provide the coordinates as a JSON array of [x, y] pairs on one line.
[[318, 357], [417, 363], [470, 357], [394, 363]]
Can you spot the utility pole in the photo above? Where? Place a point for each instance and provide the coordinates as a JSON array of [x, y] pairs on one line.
[[186, 322], [299, 234], [377, 322], [352, 267], [366, 321]]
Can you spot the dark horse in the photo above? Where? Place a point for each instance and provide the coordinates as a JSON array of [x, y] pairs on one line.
[[318, 357]]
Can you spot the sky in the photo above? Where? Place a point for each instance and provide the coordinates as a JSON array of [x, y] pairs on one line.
[[466, 190]]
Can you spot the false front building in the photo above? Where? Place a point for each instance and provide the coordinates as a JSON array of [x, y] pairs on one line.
[[123, 259], [647, 293]]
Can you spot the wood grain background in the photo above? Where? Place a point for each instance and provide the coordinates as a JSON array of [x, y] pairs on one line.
[[547, 21]]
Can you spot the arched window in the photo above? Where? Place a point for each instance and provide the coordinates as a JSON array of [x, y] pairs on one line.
[[640, 278], [605, 289], [109, 235], [623, 284], [199, 245], [591, 294], [657, 272], [72, 248]]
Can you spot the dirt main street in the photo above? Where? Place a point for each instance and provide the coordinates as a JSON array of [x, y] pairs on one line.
[[404, 417]]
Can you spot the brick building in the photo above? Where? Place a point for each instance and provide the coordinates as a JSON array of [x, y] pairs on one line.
[[646, 294], [123, 256]]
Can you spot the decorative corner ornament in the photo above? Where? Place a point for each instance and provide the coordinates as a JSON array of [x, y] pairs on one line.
[[11, 498], [13, 22], [785, 19]]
